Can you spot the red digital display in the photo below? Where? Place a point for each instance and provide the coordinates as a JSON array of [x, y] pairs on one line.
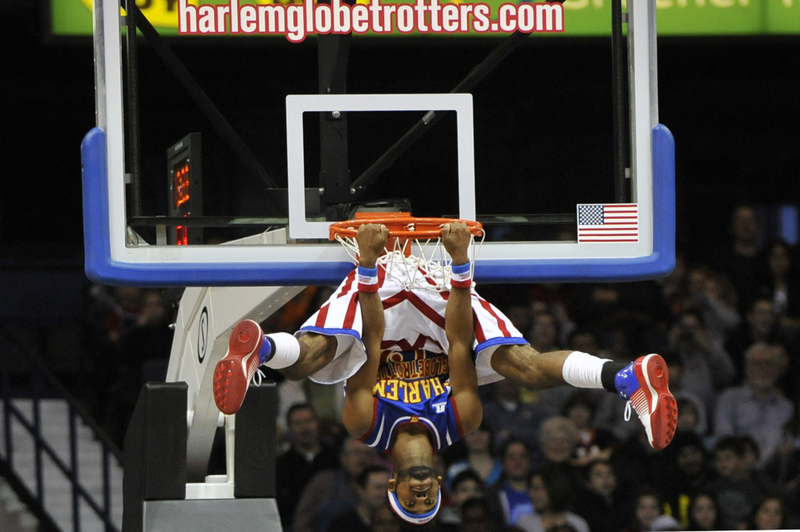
[[180, 185], [182, 235]]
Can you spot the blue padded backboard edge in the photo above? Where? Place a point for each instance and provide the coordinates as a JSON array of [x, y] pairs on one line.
[[658, 264], [100, 267]]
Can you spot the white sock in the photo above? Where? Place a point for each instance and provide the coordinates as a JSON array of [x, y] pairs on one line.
[[582, 370], [287, 351]]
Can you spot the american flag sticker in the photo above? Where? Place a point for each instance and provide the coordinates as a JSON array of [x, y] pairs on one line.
[[611, 222]]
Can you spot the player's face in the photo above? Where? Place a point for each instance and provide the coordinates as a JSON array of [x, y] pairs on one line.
[[417, 489]]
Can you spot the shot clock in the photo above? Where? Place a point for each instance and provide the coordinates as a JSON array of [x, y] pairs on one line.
[[185, 188]]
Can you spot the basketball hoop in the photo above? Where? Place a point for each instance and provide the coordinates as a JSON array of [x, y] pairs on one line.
[[430, 266]]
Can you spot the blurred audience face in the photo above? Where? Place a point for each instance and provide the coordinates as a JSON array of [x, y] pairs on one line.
[[516, 462], [465, 490], [704, 512], [303, 428], [557, 439], [779, 260], [478, 441], [507, 390], [602, 479], [647, 509], [544, 330], [744, 225], [373, 494], [128, 297], [689, 417], [769, 515], [581, 415], [475, 518], [585, 342], [697, 281], [690, 460], [728, 464], [762, 318], [540, 498], [763, 367], [751, 454], [383, 518], [355, 457]]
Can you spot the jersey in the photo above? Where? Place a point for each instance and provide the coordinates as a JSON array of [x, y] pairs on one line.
[[412, 388], [414, 318]]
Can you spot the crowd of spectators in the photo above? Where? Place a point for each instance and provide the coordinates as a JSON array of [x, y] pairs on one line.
[[564, 459]]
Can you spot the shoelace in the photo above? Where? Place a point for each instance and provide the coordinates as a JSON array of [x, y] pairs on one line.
[[627, 410], [258, 375]]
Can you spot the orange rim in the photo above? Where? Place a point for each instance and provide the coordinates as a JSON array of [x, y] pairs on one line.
[[401, 226]]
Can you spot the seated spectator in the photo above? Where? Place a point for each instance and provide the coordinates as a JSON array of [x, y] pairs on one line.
[[689, 419], [687, 474], [383, 519], [703, 512], [551, 496], [593, 443], [665, 522], [509, 417], [781, 284], [713, 297], [476, 516], [647, 507], [707, 366], [741, 260], [600, 503], [768, 513], [478, 445], [783, 469], [371, 494], [637, 464], [306, 456], [700, 421], [544, 337], [761, 325], [334, 491], [758, 407], [558, 440], [465, 485], [735, 489], [509, 497]]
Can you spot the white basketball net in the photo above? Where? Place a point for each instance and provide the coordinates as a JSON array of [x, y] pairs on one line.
[[429, 269]]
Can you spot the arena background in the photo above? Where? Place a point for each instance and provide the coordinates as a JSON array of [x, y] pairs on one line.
[[733, 105]]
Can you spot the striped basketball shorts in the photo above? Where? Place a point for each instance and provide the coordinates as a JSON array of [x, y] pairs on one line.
[[414, 320]]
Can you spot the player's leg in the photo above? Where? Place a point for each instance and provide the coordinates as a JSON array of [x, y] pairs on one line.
[[249, 347], [644, 382]]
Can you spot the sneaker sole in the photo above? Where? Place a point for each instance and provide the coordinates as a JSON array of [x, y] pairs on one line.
[[663, 407], [231, 382]]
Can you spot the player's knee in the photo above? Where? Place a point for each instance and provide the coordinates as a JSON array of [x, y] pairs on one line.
[[316, 352]]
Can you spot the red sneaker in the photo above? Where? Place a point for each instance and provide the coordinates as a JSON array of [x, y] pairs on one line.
[[233, 373], [645, 383]]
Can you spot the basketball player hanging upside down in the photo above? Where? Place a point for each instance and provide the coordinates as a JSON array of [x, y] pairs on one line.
[[387, 339]]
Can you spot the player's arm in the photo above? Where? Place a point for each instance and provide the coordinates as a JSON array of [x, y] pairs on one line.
[[359, 402], [460, 331]]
